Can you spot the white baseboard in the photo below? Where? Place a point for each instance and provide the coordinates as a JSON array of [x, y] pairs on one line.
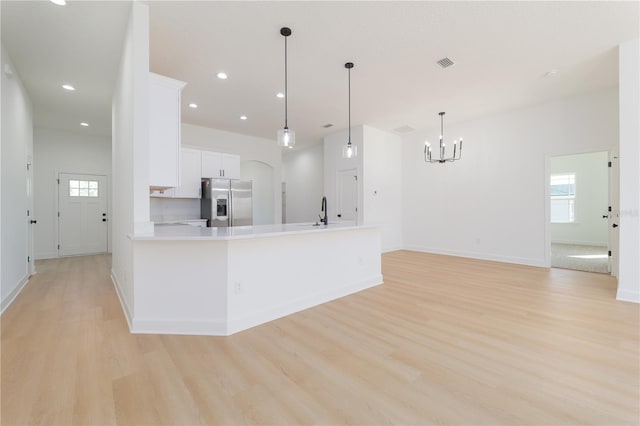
[[628, 296], [167, 326], [581, 243], [231, 326], [123, 303], [387, 250], [12, 296], [481, 256], [46, 255]]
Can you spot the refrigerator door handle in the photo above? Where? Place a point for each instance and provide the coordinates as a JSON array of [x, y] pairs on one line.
[[232, 219]]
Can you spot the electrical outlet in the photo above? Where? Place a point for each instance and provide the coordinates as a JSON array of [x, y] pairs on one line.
[[237, 287]]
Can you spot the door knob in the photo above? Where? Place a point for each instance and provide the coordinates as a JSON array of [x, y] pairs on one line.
[[339, 215], [615, 225], [34, 221], [104, 220], [104, 214], [605, 216]]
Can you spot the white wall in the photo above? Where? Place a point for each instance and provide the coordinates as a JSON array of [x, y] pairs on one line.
[[63, 152], [15, 150], [130, 176], [492, 203], [629, 84], [249, 148], [303, 173], [170, 209], [263, 190], [592, 188], [382, 185]]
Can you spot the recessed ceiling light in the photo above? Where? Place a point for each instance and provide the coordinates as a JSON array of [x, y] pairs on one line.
[[68, 87], [192, 105], [551, 73], [59, 2], [290, 147], [222, 76], [84, 124], [280, 95], [243, 117]]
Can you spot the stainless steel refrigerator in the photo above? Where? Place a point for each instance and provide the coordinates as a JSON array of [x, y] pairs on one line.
[[226, 202]]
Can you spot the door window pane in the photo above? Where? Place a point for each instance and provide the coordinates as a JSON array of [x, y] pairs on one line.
[[83, 188]]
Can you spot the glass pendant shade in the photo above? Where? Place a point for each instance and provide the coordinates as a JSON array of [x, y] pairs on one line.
[[349, 150], [286, 138]]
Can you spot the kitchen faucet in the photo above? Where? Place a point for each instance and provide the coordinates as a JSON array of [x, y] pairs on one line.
[[325, 218]]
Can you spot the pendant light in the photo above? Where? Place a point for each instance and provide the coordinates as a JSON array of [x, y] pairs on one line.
[[286, 137], [349, 150], [457, 153]]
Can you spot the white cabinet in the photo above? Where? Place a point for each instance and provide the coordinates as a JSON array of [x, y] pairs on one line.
[[162, 193], [190, 163], [216, 165], [164, 131]]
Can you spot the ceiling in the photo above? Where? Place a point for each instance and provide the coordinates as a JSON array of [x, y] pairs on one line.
[[501, 50]]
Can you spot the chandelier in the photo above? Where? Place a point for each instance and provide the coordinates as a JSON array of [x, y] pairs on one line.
[[457, 152]]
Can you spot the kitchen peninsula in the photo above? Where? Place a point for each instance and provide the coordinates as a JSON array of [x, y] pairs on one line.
[[218, 281]]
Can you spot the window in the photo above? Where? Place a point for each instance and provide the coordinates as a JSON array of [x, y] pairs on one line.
[[83, 188], [563, 198]]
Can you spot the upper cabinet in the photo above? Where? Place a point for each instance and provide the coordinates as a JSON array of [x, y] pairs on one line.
[[223, 166], [190, 186], [164, 131]]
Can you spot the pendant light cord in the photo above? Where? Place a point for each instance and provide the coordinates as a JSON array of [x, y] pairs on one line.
[[349, 106], [286, 97]]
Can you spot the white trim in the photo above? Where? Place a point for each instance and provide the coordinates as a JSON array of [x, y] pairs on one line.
[[582, 243], [481, 256], [46, 255], [123, 303], [394, 248], [165, 326], [628, 296], [12, 296]]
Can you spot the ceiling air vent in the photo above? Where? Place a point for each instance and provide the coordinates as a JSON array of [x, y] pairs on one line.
[[446, 62], [326, 126], [404, 129]]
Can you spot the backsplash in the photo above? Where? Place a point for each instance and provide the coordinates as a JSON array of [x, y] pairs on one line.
[[168, 209]]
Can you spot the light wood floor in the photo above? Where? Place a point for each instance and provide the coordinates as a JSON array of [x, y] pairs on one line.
[[444, 341]]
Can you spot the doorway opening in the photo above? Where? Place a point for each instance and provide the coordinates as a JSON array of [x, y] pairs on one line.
[[579, 202], [347, 199]]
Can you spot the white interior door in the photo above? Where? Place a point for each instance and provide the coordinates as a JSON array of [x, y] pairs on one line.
[[614, 212], [347, 205], [82, 214], [30, 219]]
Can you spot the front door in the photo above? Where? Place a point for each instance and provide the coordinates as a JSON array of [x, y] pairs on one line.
[[82, 214]]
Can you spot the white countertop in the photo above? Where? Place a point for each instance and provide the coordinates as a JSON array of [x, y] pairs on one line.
[[179, 221], [187, 232]]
